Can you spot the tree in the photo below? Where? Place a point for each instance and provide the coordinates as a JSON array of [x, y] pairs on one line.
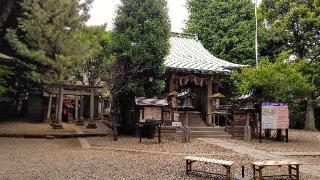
[[226, 28], [4, 73], [279, 82], [50, 43], [5, 8], [94, 69], [141, 37], [292, 27]]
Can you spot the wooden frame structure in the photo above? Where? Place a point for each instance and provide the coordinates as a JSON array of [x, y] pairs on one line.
[[79, 91]]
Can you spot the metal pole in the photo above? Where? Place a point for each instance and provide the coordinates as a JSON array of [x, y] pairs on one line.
[[256, 39]]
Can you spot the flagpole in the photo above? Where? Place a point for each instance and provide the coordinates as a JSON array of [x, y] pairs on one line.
[[256, 39]]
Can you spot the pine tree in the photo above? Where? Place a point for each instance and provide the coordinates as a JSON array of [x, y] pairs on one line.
[[50, 36]]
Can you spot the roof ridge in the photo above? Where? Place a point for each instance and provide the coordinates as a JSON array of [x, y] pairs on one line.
[[184, 35]]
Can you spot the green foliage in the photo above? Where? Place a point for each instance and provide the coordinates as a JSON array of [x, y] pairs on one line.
[[278, 82], [4, 73], [93, 70], [292, 26], [141, 42], [226, 28], [50, 41]]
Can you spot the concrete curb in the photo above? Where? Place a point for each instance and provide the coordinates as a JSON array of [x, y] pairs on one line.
[[50, 136]]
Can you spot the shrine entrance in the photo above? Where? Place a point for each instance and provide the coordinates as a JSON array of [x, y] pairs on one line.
[[190, 92]]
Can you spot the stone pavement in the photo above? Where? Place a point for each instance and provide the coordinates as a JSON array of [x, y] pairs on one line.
[[306, 168], [24, 129]]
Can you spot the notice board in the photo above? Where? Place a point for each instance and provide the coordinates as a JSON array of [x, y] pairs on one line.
[[274, 115], [152, 113]]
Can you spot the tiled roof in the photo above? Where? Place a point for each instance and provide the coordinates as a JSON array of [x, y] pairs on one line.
[[188, 54], [143, 101]]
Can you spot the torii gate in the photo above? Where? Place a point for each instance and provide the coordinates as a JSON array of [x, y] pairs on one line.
[[76, 90]]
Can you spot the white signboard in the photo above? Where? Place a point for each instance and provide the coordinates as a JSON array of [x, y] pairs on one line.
[[274, 115], [176, 117], [176, 124]]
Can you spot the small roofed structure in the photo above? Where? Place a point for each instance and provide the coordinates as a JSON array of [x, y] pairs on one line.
[[191, 66], [150, 113]]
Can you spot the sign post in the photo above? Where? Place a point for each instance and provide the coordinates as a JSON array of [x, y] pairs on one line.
[[274, 115]]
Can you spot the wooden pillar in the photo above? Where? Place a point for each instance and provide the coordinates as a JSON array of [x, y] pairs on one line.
[[209, 104], [81, 119], [56, 110], [91, 122], [76, 109], [58, 124], [171, 83], [99, 108], [48, 118]]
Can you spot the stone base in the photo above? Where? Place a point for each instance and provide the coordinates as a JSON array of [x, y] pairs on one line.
[[47, 121], [239, 177], [91, 126], [57, 126], [80, 123]]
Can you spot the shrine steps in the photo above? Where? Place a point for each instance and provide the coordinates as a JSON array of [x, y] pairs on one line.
[[196, 132], [206, 132]]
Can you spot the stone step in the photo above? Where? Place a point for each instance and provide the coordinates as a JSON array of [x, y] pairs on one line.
[[207, 128], [207, 135], [204, 132]]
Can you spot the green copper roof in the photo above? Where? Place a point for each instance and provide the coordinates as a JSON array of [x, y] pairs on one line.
[[188, 54]]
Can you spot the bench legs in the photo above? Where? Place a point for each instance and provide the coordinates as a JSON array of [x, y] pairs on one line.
[[291, 168], [189, 169], [294, 168], [188, 166], [228, 175], [259, 170]]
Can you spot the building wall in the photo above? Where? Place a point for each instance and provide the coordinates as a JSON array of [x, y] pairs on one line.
[[35, 103]]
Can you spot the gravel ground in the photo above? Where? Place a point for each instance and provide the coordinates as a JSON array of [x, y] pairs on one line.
[[66, 159], [299, 141]]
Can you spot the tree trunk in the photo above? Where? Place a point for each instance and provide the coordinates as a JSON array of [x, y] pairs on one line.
[[5, 13], [310, 119]]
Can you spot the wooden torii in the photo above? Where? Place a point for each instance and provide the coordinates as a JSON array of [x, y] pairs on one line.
[[77, 90]]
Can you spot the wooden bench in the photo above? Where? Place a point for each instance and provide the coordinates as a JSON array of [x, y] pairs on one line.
[[292, 166], [192, 159]]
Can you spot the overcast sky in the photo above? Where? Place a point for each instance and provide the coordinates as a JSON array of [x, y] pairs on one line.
[[103, 11]]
